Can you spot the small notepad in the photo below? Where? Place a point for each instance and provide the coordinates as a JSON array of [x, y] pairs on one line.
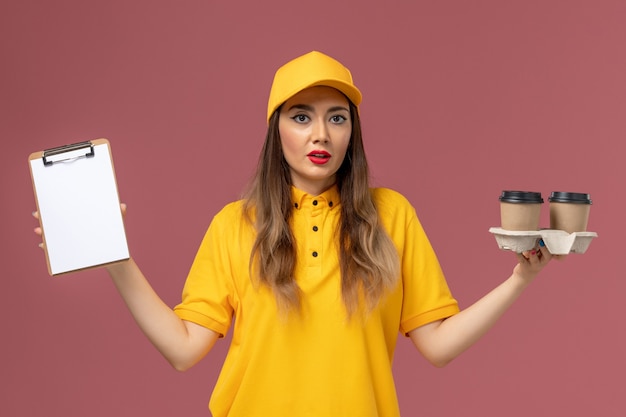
[[79, 207]]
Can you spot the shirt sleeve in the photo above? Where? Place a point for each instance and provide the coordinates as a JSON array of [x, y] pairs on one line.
[[426, 295], [209, 292]]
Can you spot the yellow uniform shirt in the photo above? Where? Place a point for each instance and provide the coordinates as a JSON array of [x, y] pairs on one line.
[[319, 363]]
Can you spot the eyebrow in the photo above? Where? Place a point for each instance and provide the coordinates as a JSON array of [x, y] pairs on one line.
[[306, 107]]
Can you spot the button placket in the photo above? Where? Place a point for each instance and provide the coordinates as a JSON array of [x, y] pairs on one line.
[[316, 219]]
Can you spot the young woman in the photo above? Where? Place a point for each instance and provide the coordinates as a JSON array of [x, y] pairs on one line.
[[314, 272]]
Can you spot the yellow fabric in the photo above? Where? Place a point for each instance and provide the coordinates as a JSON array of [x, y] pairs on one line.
[[308, 70], [320, 363]]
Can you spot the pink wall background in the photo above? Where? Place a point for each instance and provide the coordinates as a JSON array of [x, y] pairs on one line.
[[462, 100]]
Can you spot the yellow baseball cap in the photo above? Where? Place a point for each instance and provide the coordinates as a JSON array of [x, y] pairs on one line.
[[310, 70]]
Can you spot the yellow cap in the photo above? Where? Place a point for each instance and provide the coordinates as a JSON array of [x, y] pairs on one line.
[[310, 70]]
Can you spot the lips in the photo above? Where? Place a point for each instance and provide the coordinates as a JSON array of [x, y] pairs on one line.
[[318, 157]]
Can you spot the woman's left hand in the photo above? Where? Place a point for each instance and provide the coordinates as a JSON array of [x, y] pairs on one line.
[[532, 262]]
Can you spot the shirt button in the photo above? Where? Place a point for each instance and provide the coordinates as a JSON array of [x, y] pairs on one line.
[[314, 254], [330, 204], [315, 228], [315, 202], [296, 205]]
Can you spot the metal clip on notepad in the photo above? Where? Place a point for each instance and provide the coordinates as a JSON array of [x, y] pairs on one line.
[[68, 153]]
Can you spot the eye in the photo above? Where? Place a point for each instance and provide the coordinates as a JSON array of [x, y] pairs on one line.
[[300, 118], [338, 119]]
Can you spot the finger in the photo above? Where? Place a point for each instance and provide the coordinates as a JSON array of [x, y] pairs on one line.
[[533, 257], [522, 257], [530, 254], [37, 229], [123, 207], [545, 253]]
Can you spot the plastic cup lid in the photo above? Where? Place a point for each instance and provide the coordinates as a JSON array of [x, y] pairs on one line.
[[567, 197], [523, 197]]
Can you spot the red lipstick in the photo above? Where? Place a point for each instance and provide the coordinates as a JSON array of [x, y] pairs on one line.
[[319, 157]]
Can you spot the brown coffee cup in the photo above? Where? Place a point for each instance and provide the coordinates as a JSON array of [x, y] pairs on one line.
[[569, 211], [520, 210]]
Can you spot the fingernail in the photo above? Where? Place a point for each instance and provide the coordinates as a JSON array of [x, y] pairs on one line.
[[541, 243], [533, 252]]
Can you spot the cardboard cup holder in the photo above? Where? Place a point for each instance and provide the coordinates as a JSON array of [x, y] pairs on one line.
[[558, 242]]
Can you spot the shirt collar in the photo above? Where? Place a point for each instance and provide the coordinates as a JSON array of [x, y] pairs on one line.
[[329, 198]]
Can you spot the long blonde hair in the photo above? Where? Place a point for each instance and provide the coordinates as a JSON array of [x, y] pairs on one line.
[[368, 259]]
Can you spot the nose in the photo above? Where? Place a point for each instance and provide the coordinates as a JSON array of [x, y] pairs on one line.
[[320, 132]]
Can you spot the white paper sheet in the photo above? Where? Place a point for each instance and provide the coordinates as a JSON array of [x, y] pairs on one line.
[[79, 208]]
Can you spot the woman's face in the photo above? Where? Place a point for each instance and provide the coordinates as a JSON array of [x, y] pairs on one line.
[[315, 129]]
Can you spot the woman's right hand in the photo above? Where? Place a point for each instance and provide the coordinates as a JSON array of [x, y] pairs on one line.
[[37, 229]]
